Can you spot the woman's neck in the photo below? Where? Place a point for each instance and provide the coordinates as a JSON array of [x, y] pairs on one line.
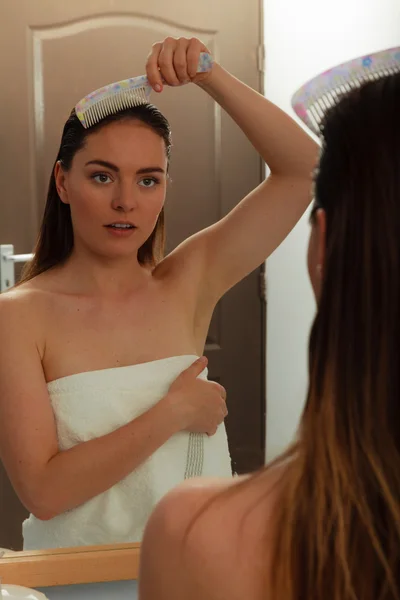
[[98, 275]]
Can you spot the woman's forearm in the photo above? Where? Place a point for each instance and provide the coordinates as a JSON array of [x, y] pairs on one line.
[[74, 476], [283, 144]]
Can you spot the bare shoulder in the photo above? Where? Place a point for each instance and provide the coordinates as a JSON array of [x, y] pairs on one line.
[[176, 510], [214, 531], [220, 496], [15, 305], [22, 310], [164, 572]]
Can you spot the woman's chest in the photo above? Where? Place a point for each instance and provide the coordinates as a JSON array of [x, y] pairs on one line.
[[88, 336]]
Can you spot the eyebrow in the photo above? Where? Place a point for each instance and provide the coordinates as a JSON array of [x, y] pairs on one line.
[[112, 167]]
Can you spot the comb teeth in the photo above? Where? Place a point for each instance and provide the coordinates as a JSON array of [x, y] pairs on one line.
[[312, 101], [96, 111], [121, 95], [319, 106]]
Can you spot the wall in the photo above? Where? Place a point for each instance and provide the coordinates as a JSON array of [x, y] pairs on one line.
[[303, 39]]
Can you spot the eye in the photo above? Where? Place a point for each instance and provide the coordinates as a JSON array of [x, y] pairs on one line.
[[101, 178], [149, 182]]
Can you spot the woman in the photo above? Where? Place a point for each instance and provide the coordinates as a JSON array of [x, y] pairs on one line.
[[322, 522], [98, 430]]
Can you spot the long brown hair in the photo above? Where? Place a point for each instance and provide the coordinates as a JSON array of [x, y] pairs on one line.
[[338, 519], [56, 237]]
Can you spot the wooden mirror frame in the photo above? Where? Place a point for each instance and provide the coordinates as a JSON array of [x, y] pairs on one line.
[[69, 566]]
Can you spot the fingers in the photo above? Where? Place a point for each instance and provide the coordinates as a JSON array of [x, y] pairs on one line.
[[222, 392], [174, 61], [197, 367], [192, 56], [222, 402], [212, 430], [166, 62], [152, 71], [180, 61], [220, 389], [224, 409]]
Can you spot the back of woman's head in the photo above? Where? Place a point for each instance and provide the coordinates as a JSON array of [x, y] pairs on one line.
[[56, 237], [339, 536]]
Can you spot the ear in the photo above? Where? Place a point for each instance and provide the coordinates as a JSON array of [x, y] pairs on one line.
[[60, 179], [320, 222]]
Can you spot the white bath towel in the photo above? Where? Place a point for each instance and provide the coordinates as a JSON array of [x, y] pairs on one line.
[[89, 405]]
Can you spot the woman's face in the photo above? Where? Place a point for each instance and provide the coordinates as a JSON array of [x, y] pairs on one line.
[[116, 188], [316, 250]]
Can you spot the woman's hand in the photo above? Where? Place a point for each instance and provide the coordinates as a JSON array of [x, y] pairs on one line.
[[197, 405], [174, 62]]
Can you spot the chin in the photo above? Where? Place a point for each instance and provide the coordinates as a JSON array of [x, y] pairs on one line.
[[121, 254], [116, 250]]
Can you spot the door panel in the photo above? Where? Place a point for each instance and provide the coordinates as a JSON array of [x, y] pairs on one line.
[[57, 54]]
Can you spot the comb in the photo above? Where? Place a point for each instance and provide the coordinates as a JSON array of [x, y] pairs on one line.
[[313, 99], [118, 96]]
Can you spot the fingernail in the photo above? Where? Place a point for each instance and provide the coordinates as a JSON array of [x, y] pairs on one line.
[[158, 87]]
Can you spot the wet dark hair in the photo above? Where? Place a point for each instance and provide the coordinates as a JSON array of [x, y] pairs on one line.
[[56, 237]]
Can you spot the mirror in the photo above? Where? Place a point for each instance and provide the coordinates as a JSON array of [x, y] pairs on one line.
[[66, 566], [69, 51]]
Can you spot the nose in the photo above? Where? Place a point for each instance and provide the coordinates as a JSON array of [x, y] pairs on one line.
[[125, 198]]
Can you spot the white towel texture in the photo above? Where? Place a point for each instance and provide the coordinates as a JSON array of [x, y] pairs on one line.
[[89, 405]]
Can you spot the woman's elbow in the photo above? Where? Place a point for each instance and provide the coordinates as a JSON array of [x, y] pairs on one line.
[[40, 504]]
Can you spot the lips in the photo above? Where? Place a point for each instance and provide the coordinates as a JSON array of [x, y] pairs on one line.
[[121, 225]]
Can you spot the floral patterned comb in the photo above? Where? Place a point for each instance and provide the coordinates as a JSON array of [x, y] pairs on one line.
[[313, 99], [114, 97]]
